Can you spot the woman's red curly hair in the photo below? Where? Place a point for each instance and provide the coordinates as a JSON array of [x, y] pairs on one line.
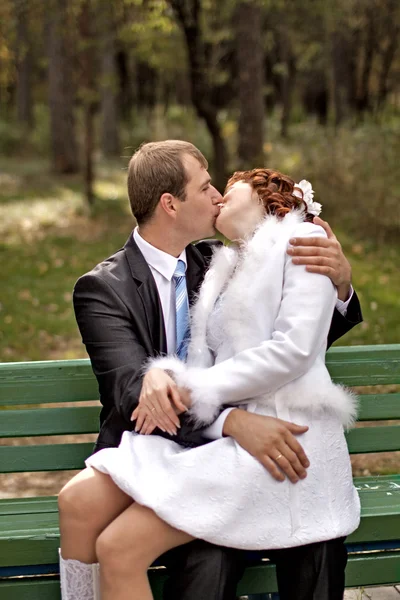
[[274, 189]]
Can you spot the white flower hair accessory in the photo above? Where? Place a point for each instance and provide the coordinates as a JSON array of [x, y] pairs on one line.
[[314, 208]]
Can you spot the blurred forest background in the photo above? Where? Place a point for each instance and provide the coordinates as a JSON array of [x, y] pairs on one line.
[[310, 87]]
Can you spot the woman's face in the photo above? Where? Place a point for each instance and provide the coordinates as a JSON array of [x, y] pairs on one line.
[[240, 212]]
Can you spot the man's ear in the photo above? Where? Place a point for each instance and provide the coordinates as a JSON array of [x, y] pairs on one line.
[[168, 204]]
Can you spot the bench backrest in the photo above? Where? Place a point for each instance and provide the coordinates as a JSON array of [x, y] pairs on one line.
[[33, 397]]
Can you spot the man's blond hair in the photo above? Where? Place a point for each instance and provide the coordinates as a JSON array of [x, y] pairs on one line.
[[157, 168]]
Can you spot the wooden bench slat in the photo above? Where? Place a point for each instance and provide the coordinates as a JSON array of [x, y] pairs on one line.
[[57, 457], [364, 365], [73, 380], [28, 526], [379, 407], [22, 506], [372, 487], [373, 439], [32, 537], [362, 569], [41, 382], [49, 421], [367, 569], [29, 532], [37, 588], [75, 420]]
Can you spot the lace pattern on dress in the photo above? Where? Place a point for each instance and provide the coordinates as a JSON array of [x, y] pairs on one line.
[[79, 581]]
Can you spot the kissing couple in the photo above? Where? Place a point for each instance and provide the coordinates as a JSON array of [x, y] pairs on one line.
[[221, 430]]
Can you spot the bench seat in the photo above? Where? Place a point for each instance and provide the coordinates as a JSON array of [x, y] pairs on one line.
[[32, 394], [29, 535]]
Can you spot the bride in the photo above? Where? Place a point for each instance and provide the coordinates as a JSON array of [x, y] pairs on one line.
[[258, 340]]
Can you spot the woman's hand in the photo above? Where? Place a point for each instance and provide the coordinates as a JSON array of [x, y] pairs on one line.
[[159, 404], [324, 256]]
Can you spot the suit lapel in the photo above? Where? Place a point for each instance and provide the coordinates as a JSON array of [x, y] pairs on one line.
[[194, 272], [147, 290]]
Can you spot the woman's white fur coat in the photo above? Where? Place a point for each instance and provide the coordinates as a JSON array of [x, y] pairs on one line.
[[276, 319], [272, 324]]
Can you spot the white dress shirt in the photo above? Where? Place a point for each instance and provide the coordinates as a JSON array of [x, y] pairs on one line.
[[162, 266]]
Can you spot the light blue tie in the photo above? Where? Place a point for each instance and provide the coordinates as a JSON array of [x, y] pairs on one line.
[[182, 310]]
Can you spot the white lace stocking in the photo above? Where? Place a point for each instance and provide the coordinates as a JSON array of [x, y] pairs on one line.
[[79, 581]]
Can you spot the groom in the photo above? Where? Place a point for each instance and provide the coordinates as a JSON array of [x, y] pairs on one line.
[[125, 312]]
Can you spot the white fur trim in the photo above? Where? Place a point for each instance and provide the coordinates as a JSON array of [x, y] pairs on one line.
[[205, 404], [252, 279], [166, 363], [221, 268]]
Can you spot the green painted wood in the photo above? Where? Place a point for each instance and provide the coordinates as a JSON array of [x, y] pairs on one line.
[[35, 527], [29, 527], [49, 421], [379, 407], [21, 506], [39, 550], [362, 570], [373, 439], [41, 382], [365, 365], [85, 419], [32, 537], [373, 569], [31, 588], [59, 457], [56, 457], [73, 380]]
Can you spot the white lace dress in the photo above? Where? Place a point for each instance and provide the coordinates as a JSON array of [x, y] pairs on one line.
[[219, 493]]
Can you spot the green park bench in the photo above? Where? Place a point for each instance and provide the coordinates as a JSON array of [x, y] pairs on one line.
[[31, 404]]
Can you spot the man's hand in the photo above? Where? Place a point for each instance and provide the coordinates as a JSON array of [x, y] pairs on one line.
[[271, 441], [324, 256], [159, 404]]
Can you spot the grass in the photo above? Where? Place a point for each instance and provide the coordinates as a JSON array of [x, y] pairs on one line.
[[47, 243], [48, 239]]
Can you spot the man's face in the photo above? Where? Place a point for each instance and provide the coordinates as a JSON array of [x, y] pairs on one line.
[[198, 213]]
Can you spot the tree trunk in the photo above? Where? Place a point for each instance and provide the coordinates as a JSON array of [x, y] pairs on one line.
[[64, 150], [249, 54], [288, 75], [89, 163], [109, 84], [86, 26], [343, 67], [364, 101], [393, 32], [24, 67], [188, 15]]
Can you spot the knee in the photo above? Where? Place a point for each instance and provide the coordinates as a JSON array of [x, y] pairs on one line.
[[111, 554], [121, 557], [76, 503]]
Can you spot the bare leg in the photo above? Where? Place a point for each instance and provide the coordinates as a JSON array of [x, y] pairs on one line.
[[87, 504], [127, 548]]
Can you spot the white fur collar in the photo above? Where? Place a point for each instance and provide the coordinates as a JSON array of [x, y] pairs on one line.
[[243, 270]]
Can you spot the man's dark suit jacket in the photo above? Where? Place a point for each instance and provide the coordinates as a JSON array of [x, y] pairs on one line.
[[119, 315]]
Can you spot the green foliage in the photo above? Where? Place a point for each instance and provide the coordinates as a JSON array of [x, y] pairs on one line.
[[17, 140], [49, 240], [155, 36], [353, 170]]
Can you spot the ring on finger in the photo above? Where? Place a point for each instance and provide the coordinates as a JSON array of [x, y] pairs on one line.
[[279, 456], [153, 409]]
